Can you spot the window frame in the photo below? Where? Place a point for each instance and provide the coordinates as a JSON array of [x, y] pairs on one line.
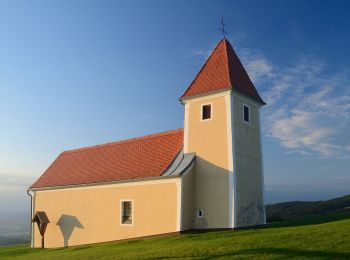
[[249, 117], [211, 112], [132, 212]]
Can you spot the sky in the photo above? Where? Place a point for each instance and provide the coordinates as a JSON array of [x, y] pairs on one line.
[[80, 73]]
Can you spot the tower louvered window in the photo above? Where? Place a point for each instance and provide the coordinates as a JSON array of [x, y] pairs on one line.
[[206, 112]]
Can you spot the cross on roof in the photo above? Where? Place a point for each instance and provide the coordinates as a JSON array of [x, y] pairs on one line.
[[222, 29]]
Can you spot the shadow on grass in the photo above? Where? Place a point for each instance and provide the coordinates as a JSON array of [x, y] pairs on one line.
[[281, 252], [311, 220]]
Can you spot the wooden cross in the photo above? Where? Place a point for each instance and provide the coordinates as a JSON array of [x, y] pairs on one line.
[[42, 220]]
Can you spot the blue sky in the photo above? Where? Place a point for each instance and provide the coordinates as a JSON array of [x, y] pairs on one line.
[[79, 73]]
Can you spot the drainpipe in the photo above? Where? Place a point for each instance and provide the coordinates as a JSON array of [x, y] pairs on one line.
[[32, 207]]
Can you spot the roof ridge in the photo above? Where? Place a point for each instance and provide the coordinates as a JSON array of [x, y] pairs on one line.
[[230, 48], [200, 71], [228, 62], [130, 140]]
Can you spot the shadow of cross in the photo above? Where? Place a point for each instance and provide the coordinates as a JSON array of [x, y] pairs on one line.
[[67, 223]]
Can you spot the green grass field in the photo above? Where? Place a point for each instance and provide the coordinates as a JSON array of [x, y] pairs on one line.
[[326, 237]]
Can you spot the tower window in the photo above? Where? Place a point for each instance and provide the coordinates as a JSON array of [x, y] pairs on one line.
[[246, 114], [206, 112]]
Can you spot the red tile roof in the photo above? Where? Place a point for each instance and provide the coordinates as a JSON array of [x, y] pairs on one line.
[[222, 70], [141, 157]]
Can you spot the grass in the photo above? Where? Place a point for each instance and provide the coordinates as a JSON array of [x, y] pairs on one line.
[[324, 237]]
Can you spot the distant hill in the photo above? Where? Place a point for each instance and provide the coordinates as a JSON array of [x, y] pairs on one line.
[[299, 209]]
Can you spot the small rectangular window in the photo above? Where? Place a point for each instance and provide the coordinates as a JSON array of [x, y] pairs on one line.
[[246, 114], [206, 112], [126, 212], [200, 213]]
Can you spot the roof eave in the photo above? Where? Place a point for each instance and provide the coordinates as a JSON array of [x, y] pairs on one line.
[[82, 185], [257, 100], [181, 99]]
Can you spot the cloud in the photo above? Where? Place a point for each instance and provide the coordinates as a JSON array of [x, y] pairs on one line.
[[308, 107], [202, 53], [258, 67]]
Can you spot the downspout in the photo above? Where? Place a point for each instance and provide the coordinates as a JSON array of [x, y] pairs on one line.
[[32, 207]]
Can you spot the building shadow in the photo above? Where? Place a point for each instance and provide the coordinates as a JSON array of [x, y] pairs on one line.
[[212, 185], [67, 223], [280, 253]]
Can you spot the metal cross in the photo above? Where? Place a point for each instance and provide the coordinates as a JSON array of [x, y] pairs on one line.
[[222, 29]]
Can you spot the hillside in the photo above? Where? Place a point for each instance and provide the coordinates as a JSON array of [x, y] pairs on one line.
[[301, 209], [324, 237]]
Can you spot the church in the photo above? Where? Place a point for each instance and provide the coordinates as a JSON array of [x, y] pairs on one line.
[[207, 175]]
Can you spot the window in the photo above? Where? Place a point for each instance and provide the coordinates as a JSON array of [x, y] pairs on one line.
[[206, 112], [200, 213], [126, 212], [246, 114]]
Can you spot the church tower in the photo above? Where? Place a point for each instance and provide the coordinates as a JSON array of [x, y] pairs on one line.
[[222, 126]]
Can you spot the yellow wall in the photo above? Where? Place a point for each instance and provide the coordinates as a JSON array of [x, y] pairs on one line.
[[209, 140], [248, 164], [188, 206], [92, 214]]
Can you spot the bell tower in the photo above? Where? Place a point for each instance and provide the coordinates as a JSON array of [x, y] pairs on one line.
[[222, 126]]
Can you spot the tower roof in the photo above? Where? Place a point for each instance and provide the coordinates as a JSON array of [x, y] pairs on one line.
[[222, 70]]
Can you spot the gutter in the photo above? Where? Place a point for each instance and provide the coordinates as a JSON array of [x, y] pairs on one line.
[[101, 183], [32, 207]]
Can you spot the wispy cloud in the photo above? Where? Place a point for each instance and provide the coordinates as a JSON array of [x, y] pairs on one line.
[[258, 67], [308, 108], [203, 53]]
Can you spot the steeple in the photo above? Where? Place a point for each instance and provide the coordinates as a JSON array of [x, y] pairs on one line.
[[222, 71]]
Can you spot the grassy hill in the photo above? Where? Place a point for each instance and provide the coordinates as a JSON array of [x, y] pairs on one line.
[[300, 209], [325, 237]]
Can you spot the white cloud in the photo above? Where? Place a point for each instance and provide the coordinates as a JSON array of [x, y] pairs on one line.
[[203, 52], [308, 108], [258, 67]]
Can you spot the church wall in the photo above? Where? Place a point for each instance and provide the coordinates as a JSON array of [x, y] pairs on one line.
[[93, 214], [188, 196], [208, 139], [248, 164]]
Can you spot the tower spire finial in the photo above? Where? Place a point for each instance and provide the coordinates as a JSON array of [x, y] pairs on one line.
[[222, 29]]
